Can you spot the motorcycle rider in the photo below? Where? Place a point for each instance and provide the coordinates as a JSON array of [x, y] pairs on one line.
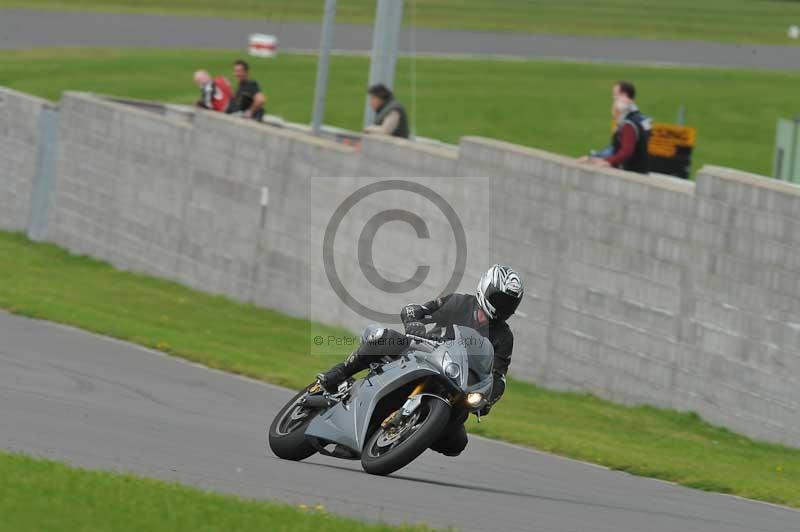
[[497, 297]]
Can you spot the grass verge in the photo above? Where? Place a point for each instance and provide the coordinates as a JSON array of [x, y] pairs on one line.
[[560, 107], [43, 281], [46, 496], [758, 21]]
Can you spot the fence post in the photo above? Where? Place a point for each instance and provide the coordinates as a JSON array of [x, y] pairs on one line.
[[385, 39], [44, 178], [325, 44]]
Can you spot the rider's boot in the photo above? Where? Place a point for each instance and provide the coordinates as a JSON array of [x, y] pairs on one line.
[[331, 379]]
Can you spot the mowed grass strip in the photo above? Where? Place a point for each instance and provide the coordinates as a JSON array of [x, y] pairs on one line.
[[758, 21], [42, 495], [560, 107], [43, 281]]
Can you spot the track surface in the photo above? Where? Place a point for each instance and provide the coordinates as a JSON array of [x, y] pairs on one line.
[[101, 403], [21, 28]]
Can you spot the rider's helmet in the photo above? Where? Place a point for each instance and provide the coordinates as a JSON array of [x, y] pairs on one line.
[[499, 292]]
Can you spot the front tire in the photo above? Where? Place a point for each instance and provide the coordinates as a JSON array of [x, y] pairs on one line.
[[287, 433], [385, 451]]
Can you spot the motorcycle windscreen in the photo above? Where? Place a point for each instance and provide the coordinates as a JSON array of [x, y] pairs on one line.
[[480, 354]]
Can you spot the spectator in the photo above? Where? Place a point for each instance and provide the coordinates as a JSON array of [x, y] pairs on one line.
[[249, 100], [215, 94], [629, 142], [390, 115], [623, 90]]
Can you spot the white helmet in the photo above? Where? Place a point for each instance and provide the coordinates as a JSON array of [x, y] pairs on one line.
[[499, 292]]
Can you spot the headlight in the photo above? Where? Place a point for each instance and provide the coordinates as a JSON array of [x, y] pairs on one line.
[[452, 370], [474, 398]]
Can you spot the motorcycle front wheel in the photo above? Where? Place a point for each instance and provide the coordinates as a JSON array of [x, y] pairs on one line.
[[287, 433], [389, 449]]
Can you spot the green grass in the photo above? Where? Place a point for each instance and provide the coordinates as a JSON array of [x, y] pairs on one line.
[[42, 495], [713, 20], [43, 281], [561, 107], [158, 314]]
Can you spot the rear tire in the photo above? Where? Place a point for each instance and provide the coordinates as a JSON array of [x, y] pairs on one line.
[[287, 435], [378, 460]]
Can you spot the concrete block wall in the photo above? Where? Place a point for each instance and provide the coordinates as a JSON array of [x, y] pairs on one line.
[[264, 251], [222, 206], [526, 197], [381, 157], [121, 176], [639, 289], [19, 143], [745, 293], [653, 290], [593, 247], [395, 157], [158, 195], [620, 314]]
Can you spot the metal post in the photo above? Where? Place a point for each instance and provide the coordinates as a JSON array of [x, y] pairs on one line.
[[325, 43], [793, 175], [385, 39], [43, 182], [682, 115]]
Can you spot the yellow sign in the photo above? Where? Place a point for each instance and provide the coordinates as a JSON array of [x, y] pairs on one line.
[[666, 138]]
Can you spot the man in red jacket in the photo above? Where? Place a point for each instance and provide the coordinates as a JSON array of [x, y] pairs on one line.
[[215, 94], [629, 142]]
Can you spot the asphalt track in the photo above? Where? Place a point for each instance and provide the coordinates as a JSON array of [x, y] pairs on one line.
[[21, 28], [105, 404]]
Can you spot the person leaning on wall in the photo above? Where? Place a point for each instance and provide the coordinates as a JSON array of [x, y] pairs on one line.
[[215, 94], [249, 100], [628, 150], [390, 115]]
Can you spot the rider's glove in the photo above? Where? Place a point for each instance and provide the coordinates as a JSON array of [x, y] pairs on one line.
[[411, 313], [498, 389], [415, 328]]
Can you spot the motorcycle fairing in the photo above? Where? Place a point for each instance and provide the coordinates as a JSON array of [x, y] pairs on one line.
[[347, 424]]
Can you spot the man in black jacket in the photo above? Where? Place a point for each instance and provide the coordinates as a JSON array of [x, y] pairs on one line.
[[498, 295], [248, 100]]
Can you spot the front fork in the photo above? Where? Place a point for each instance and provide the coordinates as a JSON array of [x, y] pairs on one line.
[[411, 404]]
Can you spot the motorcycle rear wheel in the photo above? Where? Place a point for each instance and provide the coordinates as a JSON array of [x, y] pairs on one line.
[[287, 433], [385, 452]]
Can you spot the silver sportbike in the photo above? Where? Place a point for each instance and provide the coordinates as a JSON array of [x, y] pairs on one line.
[[398, 409]]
